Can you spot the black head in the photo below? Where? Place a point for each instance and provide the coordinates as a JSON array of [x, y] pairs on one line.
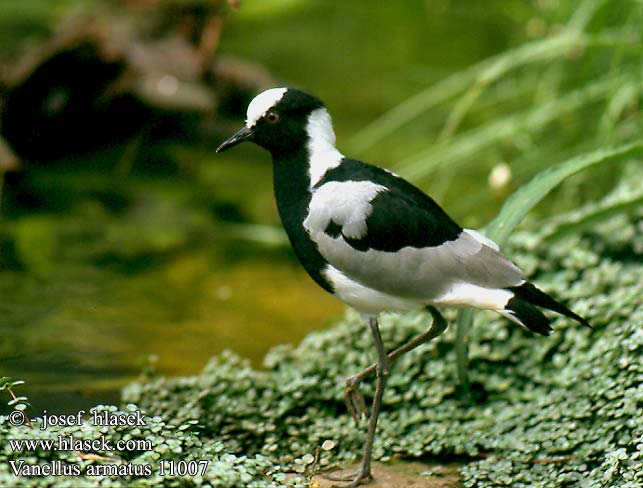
[[276, 120]]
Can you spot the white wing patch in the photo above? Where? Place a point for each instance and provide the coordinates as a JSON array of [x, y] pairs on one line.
[[346, 203], [362, 298], [321, 145], [262, 103]]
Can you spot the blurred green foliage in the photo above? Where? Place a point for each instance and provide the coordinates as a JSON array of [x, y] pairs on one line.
[[23, 24], [573, 85]]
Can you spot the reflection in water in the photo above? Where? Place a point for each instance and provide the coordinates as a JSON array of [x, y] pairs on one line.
[[80, 340]]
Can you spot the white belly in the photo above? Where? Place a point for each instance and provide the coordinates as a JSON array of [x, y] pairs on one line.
[[364, 299]]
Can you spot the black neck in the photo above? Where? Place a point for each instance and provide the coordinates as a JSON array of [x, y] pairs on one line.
[[292, 192], [291, 179]]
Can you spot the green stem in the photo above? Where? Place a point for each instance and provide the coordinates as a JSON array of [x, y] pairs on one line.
[[465, 319]]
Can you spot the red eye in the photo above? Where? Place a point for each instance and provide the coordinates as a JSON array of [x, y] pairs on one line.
[[272, 118]]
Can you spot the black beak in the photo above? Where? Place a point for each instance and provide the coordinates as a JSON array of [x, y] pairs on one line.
[[242, 134]]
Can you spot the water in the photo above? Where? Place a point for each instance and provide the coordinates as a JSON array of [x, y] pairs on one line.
[[94, 296]]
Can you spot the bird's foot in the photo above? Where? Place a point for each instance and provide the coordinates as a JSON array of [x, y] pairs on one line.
[[355, 478], [354, 399]]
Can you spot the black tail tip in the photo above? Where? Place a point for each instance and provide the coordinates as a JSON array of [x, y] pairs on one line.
[[524, 313], [530, 293]]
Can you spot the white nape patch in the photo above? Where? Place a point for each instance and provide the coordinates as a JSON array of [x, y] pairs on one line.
[[480, 237], [347, 203], [362, 298], [468, 294], [262, 103], [321, 145]]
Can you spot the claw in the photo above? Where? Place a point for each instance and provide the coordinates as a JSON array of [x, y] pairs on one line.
[[356, 478]]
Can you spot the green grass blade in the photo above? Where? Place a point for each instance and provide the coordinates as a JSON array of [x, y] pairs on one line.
[[529, 195], [442, 91], [463, 325], [421, 166], [584, 13], [590, 219]]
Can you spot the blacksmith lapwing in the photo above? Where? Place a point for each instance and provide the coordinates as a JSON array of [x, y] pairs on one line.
[[377, 242]]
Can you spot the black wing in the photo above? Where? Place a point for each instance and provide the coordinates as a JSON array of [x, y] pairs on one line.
[[402, 216]]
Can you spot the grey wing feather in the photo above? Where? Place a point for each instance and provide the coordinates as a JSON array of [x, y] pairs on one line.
[[491, 269], [423, 273]]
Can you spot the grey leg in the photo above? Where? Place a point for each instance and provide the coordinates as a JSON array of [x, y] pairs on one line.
[[363, 474], [355, 400], [353, 396]]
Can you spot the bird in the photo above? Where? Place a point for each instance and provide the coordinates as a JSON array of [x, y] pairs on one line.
[[377, 242]]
